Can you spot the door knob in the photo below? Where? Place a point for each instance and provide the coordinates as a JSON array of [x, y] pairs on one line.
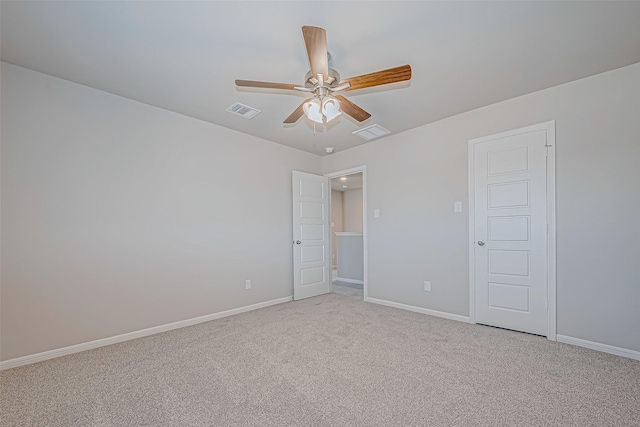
[[480, 243], [298, 242]]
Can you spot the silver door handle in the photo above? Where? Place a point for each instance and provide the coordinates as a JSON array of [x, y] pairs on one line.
[[480, 243], [298, 242]]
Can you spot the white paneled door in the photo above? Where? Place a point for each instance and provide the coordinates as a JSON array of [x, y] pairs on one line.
[[510, 230], [311, 245]]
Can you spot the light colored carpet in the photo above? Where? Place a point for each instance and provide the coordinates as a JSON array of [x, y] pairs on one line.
[[348, 289], [332, 360]]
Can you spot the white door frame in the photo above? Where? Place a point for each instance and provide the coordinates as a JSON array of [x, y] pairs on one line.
[[358, 169], [550, 128]]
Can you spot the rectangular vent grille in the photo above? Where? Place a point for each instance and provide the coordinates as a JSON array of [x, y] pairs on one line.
[[243, 110], [371, 132]]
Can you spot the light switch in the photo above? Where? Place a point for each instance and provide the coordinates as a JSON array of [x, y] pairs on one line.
[[376, 213], [457, 207]]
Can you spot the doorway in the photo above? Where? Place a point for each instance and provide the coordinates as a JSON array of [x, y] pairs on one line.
[[348, 232]]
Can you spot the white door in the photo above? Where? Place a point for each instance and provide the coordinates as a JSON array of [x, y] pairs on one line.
[[510, 230], [311, 245]]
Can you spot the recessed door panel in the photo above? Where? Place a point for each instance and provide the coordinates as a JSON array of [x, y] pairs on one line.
[[508, 195], [312, 276], [312, 232], [313, 189], [508, 161], [513, 263], [312, 254], [508, 229], [311, 210], [513, 297]]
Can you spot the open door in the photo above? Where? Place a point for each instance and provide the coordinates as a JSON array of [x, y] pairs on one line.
[[311, 245]]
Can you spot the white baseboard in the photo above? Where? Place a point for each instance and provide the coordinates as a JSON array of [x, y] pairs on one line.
[[358, 282], [430, 312], [618, 351], [64, 351]]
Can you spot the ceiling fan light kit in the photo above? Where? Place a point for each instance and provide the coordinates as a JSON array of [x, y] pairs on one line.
[[323, 82], [312, 110], [330, 108], [322, 110]]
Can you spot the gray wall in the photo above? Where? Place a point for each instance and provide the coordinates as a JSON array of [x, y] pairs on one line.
[[118, 216], [350, 257], [414, 178], [352, 211]]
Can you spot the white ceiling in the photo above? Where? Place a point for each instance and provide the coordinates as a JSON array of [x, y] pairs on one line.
[[184, 56], [353, 182]]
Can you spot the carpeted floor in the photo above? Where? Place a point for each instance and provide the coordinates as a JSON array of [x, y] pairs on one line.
[[348, 289], [332, 360]]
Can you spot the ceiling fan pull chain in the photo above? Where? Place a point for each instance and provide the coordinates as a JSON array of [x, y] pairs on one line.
[[314, 128]]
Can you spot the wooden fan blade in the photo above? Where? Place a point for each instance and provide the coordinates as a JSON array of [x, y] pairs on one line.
[[267, 85], [392, 75], [352, 109], [297, 113], [315, 39]]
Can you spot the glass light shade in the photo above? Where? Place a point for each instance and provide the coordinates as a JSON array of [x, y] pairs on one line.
[[312, 110], [331, 108]]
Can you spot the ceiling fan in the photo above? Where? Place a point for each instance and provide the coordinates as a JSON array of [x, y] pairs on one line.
[[323, 82]]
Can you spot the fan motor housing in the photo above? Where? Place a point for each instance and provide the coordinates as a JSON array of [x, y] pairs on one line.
[[334, 79]]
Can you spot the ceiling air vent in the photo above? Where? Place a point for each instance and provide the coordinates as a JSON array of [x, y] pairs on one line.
[[243, 110], [371, 132]]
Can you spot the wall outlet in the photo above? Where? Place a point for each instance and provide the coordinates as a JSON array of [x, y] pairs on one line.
[[247, 284], [427, 286]]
